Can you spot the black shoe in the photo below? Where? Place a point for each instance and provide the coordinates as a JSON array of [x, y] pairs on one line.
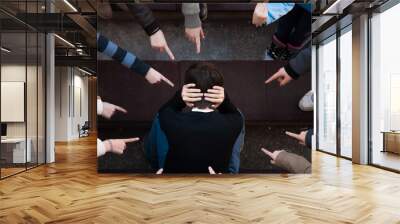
[[203, 11], [286, 55], [276, 52]]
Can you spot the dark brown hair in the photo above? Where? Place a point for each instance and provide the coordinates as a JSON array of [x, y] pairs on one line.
[[205, 76]]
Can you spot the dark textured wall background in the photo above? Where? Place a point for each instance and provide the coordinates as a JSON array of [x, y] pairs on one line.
[[269, 110], [244, 82]]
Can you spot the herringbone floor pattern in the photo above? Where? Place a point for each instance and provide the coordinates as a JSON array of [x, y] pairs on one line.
[[71, 191]]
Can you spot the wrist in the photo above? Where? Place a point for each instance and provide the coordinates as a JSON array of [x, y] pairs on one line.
[[291, 72], [140, 67], [108, 145], [152, 35], [152, 28], [100, 107], [192, 21]]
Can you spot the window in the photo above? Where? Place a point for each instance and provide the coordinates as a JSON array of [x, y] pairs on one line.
[[385, 89], [22, 78], [346, 92], [327, 96]]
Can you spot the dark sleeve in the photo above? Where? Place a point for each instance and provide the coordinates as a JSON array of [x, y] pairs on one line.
[[309, 134], [126, 58], [145, 17], [176, 103], [293, 162], [227, 106], [300, 64]]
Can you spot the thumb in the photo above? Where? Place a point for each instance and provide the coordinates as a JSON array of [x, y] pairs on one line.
[[202, 34]]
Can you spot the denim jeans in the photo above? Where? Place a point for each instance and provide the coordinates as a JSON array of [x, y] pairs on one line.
[[156, 147]]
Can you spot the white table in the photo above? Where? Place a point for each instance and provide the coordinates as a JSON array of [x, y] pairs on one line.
[[18, 144]]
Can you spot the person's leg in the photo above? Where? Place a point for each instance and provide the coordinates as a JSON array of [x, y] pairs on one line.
[[234, 164], [285, 26], [156, 145], [278, 48], [301, 32]]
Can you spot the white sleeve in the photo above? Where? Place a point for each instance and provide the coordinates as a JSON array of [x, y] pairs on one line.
[[99, 107], [101, 149]]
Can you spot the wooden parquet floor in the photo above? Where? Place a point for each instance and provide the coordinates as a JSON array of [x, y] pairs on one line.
[[71, 191]]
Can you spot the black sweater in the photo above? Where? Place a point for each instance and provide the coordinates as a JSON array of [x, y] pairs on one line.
[[198, 140], [145, 17]]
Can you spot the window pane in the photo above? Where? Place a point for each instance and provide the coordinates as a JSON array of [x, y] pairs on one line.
[[346, 94], [31, 100], [41, 98], [385, 84], [327, 96], [15, 150]]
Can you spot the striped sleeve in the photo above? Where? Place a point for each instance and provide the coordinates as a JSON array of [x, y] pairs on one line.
[[126, 58]]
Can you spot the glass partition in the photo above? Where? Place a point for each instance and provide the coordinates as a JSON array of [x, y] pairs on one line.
[[327, 95], [22, 91], [13, 110], [346, 92], [385, 89]]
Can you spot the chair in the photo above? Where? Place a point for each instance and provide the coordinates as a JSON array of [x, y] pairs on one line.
[[84, 130]]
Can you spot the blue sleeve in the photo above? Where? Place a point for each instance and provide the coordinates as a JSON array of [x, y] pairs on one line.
[[277, 10], [126, 58]]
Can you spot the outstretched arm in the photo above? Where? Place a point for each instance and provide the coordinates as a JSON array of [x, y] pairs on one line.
[[194, 31], [300, 64], [146, 19], [116, 146], [288, 161], [129, 60]]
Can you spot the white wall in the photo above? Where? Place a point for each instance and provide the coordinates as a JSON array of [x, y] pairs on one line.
[[16, 73], [70, 84], [33, 126]]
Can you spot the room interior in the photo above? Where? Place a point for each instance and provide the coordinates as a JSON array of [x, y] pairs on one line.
[[355, 171]]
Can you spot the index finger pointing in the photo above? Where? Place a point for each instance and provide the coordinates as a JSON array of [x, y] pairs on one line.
[[167, 81], [267, 152], [293, 135], [272, 78], [120, 109], [198, 44], [169, 52], [128, 140]]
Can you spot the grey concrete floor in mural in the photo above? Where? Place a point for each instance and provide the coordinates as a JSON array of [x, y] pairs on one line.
[[226, 39], [253, 160]]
